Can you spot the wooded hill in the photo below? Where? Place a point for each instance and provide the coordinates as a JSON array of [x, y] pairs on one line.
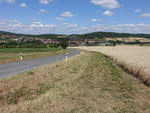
[[93, 35], [111, 35], [45, 36]]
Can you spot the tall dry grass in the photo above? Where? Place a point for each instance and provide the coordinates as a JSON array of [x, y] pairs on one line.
[[135, 70]]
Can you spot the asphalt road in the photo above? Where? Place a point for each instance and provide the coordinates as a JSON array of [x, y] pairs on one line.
[[22, 66]]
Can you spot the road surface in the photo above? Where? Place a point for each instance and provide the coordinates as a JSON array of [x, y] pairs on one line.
[[22, 66]]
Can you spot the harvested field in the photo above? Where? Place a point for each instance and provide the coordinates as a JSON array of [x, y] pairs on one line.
[[129, 39], [135, 59]]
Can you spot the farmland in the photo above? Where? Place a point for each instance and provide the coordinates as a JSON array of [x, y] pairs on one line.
[[134, 59], [12, 54], [87, 83]]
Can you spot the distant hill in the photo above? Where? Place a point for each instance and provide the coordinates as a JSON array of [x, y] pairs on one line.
[[7, 33], [45, 36], [93, 35], [111, 35]]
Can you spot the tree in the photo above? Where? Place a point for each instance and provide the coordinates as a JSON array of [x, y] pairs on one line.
[[64, 44]]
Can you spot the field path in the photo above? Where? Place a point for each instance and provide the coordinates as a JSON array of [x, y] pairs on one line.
[[22, 66]]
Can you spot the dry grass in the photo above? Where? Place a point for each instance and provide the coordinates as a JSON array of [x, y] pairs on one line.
[[87, 83], [134, 59]]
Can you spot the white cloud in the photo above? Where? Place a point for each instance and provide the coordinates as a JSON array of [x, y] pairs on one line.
[[72, 25], [37, 27], [9, 21], [110, 4], [36, 24], [108, 13], [134, 28], [45, 1], [51, 26], [67, 14], [137, 10], [68, 25], [42, 11], [10, 1], [126, 28], [96, 20], [146, 15], [23, 5], [15, 25], [123, 28], [59, 18]]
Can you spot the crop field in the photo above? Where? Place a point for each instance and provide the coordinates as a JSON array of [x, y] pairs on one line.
[[87, 83], [135, 59], [12, 54]]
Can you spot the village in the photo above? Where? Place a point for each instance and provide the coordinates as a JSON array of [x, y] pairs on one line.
[[72, 41]]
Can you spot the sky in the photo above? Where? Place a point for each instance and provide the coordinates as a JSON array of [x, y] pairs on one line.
[[74, 16]]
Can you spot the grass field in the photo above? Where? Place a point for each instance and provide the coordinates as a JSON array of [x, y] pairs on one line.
[[87, 83], [12, 54], [135, 59], [147, 45]]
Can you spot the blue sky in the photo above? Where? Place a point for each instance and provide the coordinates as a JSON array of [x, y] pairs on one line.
[[74, 16]]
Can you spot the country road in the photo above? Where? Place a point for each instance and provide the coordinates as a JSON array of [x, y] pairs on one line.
[[22, 66]]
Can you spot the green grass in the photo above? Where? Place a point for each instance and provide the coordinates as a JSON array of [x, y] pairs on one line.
[[30, 73], [146, 44], [27, 50], [12, 54], [87, 83]]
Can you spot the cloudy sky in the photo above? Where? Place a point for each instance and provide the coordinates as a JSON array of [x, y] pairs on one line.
[[74, 16]]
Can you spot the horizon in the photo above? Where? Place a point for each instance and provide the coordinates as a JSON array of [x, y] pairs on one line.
[[77, 33], [74, 17]]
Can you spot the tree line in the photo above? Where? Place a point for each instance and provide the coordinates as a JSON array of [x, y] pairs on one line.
[[33, 44]]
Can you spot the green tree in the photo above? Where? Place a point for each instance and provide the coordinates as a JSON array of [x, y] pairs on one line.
[[64, 44]]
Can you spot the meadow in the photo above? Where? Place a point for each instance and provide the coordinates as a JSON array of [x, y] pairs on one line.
[[8, 55], [134, 59], [87, 83]]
